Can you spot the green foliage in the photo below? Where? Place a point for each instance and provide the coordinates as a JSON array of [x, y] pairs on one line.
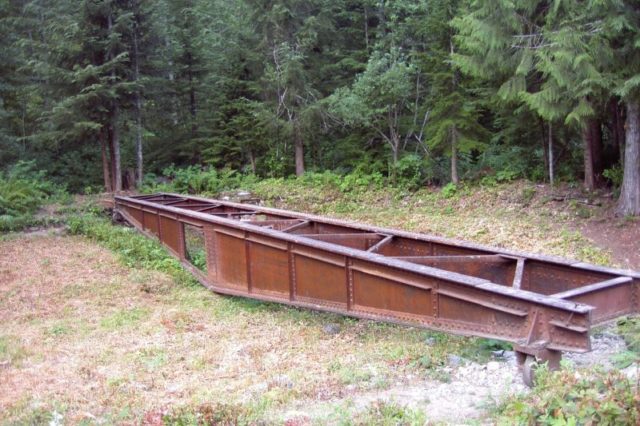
[[568, 397], [19, 197], [449, 190], [359, 181], [409, 172], [22, 192], [198, 180], [629, 329], [614, 175], [391, 414], [227, 89]]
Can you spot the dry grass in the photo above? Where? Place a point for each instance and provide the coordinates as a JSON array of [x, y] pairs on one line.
[[520, 215], [95, 341], [85, 337]]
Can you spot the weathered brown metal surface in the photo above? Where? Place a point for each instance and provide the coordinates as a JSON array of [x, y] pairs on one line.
[[541, 304]]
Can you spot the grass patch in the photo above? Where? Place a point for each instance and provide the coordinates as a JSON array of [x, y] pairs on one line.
[[151, 358], [11, 350], [123, 318], [58, 330], [348, 374], [216, 414], [390, 414]]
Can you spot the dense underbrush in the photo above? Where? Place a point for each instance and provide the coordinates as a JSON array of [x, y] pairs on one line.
[[569, 397], [23, 190]]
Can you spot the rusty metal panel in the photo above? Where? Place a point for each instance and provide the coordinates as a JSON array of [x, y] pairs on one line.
[[497, 269], [172, 235], [269, 266], [231, 258], [319, 277], [360, 241], [449, 250], [391, 292], [543, 278], [136, 215], [541, 304], [210, 247], [611, 302], [150, 222]]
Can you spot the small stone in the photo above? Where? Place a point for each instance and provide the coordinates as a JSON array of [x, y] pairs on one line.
[[282, 382], [173, 388], [509, 355], [493, 366], [454, 360], [260, 388], [56, 419], [331, 329], [632, 372], [430, 341]]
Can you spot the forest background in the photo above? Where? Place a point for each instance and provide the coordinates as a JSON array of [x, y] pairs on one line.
[[109, 93]]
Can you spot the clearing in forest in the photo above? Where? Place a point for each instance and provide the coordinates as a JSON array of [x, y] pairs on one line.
[[85, 338]]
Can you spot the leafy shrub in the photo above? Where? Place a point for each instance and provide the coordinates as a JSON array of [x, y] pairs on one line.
[[326, 178], [19, 197], [22, 191], [449, 190], [614, 175], [409, 172], [509, 162], [358, 181], [568, 398], [198, 180]]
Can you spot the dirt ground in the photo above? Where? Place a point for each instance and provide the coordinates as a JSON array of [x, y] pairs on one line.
[[620, 236], [87, 339]]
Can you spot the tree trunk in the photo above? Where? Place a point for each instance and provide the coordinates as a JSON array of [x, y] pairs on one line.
[[138, 109], [116, 173], [545, 150], [550, 153], [192, 95], [252, 161], [617, 127], [299, 149], [139, 162], [589, 178], [596, 150], [629, 201], [105, 163], [115, 143], [454, 156], [366, 27], [112, 156], [395, 153]]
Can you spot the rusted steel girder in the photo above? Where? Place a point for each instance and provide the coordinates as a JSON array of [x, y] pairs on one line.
[[543, 305]]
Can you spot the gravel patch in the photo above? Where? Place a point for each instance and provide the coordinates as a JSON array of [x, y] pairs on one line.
[[463, 392]]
